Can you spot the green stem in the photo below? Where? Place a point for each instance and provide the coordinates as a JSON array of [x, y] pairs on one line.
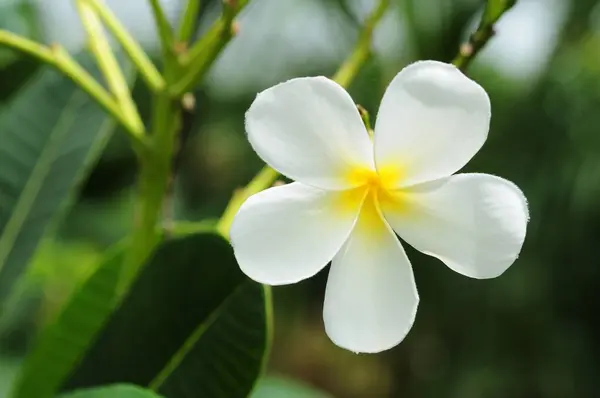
[[152, 184], [137, 55], [183, 228], [59, 58], [203, 54], [188, 20], [108, 63], [364, 115], [349, 69], [478, 39], [344, 76], [265, 178], [165, 32], [155, 170]]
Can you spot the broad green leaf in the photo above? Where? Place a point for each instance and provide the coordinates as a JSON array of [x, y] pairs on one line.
[[50, 135], [113, 391], [191, 326], [63, 342], [14, 76], [191, 321], [277, 387]]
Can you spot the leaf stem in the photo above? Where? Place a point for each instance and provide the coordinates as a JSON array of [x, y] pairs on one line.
[[188, 20], [494, 9], [165, 32], [202, 55], [265, 178], [108, 64], [156, 167], [349, 69], [344, 76], [137, 55], [152, 184], [59, 58]]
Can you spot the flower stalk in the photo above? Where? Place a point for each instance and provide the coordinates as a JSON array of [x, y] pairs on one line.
[[366, 118]]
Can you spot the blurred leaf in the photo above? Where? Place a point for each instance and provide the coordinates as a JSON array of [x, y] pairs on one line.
[[19, 17], [191, 326], [62, 343], [9, 368], [51, 133], [494, 10], [115, 391], [14, 77], [276, 387]]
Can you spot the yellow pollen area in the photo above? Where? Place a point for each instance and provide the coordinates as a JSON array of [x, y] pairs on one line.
[[374, 189], [383, 178]]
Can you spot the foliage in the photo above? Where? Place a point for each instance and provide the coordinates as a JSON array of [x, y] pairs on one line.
[[44, 159], [168, 312]]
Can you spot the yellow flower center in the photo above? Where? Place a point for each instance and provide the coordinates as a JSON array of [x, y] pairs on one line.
[[376, 188], [384, 178]]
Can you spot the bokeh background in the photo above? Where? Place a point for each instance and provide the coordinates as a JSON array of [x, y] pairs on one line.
[[533, 332]]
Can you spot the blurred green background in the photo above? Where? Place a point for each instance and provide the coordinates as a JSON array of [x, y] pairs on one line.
[[533, 332]]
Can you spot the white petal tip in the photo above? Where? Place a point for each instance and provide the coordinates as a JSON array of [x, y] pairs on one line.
[[374, 345]]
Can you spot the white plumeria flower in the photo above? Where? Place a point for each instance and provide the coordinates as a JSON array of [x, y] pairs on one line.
[[352, 193]]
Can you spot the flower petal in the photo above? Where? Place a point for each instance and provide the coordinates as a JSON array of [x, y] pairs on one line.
[[309, 129], [289, 233], [371, 297], [431, 122], [474, 223]]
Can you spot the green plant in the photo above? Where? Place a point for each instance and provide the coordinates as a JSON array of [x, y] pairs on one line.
[[226, 334]]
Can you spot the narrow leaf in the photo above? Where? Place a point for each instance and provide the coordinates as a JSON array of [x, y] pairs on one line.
[[64, 341], [50, 135]]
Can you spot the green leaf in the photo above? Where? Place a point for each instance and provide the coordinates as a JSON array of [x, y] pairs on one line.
[[114, 391], [50, 135], [64, 341], [191, 326], [191, 322]]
